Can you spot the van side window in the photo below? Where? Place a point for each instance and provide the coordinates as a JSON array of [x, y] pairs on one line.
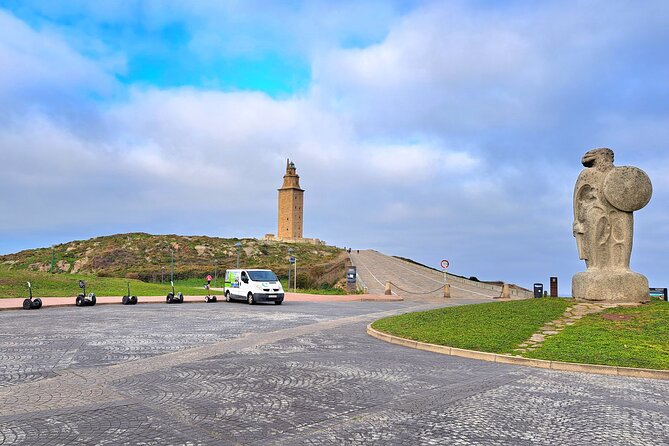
[[244, 276]]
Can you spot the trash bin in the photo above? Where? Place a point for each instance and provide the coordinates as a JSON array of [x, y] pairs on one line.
[[538, 289]]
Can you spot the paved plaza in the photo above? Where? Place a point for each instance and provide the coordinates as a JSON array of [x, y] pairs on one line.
[[303, 373]]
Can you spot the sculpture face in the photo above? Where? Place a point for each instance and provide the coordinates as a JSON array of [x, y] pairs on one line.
[[604, 198]]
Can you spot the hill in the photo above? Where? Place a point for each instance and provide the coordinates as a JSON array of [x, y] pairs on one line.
[[148, 258]]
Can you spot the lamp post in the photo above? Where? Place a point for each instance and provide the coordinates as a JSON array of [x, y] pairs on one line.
[[295, 275], [162, 274], [239, 248], [53, 259], [290, 263]]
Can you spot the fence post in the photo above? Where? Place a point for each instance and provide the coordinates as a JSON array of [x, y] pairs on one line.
[[388, 291], [447, 290]]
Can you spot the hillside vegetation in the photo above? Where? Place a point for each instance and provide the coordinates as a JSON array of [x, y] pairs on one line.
[[147, 258]]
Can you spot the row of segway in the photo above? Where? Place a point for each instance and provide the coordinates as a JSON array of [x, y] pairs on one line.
[[88, 300]]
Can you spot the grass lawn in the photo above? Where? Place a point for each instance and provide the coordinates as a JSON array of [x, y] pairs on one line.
[[13, 284], [627, 337], [496, 327]]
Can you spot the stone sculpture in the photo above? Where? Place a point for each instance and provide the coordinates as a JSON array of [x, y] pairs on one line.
[[604, 198]]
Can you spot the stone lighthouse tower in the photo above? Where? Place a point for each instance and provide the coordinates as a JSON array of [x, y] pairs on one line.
[[290, 205]]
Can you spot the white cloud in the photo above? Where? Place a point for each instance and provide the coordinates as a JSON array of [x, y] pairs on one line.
[[39, 68]]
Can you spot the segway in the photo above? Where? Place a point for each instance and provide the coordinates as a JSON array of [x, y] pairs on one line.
[[83, 299], [128, 299], [30, 303], [208, 298], [174, 299]]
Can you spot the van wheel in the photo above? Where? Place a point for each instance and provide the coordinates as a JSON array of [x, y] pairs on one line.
[[250, 299], [278, 302], [227, 296]]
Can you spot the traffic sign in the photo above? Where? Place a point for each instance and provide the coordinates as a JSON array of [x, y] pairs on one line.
[[445, 264]]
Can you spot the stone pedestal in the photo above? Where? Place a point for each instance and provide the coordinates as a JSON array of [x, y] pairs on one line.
[[611, 286]]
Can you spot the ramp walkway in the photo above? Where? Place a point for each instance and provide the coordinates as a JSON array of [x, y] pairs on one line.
[[413, 281]]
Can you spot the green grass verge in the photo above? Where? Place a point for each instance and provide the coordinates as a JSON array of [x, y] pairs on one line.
[[496, 327], [639, 339], [13, 284]]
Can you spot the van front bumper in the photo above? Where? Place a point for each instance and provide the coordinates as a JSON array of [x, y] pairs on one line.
[[268, 297]]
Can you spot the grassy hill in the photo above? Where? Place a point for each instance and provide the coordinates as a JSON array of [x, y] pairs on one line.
[[147, 258]]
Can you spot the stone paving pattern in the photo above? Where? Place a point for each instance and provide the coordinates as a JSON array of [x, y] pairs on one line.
[[297, 374]]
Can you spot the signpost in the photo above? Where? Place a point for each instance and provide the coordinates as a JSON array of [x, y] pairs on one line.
[[444, 265]]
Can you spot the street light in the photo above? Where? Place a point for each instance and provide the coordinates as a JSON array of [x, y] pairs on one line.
[[162, 274], [239, 248]]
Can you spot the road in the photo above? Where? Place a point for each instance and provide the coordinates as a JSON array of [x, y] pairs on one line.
[[303, 373], [413, 281]]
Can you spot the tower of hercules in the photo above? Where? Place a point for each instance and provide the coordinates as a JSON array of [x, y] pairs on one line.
[[291, 198]]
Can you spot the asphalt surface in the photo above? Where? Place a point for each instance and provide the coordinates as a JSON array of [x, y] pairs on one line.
[[303, 373]]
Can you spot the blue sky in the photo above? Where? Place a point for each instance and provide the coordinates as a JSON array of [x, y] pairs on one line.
[[428, 130]]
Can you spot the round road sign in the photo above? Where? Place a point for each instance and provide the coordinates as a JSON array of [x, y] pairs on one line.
[[444, 264]]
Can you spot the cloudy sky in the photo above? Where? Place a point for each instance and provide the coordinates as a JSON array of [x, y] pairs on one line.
[[430, 130]]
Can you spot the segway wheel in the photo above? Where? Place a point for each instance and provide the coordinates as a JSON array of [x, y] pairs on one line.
[[92, 299], [37, 303], [133, 300], [180, 296], [27, 305], [170, 296], [213, 298], [80, 301], [125, 300]]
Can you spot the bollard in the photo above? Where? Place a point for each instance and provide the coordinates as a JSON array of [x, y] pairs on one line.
[[388, 292], [506, 293], [365, 290], [447, 290]]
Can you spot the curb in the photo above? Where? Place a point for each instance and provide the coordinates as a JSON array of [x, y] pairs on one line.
[[519, 360], [102, 303]]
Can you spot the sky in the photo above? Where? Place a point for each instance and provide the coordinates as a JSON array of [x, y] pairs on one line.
[[424, 129]]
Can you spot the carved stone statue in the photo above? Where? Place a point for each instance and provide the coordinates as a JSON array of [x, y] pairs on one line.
[[604, 198]]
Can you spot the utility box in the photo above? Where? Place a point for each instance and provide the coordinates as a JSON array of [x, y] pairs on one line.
[[351, 279], [554, 287], [538, 289]]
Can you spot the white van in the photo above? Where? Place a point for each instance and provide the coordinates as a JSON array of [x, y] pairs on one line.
[[253, 285]]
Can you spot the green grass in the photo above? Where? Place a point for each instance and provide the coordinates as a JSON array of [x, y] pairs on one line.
[[13, 284], [640, 341], [496, 327], [322, 291]]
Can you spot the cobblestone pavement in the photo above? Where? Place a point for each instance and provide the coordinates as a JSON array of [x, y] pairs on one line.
[[297, 374]]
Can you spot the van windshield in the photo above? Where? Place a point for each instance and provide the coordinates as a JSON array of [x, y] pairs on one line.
[[262, 276]]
